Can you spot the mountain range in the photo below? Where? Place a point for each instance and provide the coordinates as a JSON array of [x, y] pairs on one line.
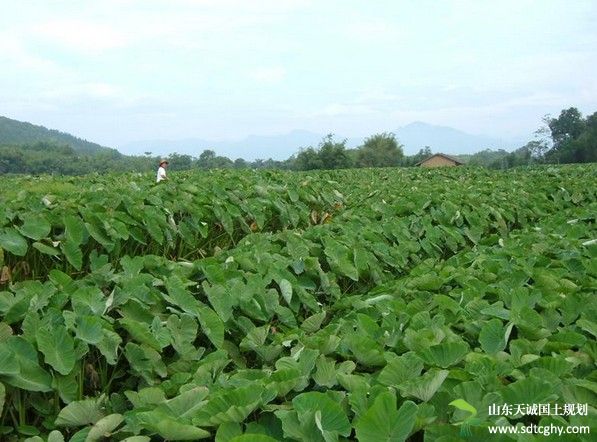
[[14, 132], [413, 137]]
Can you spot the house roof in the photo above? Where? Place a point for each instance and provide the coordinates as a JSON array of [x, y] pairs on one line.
[[447, 157]]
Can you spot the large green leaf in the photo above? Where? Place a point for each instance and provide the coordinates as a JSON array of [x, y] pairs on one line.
[[492, 336], [322, 416], [154, 229], [79, 413], [183, 332], [227, 431], [75, 229], [220, 299], [384, 422], [292, 428], [325, 374], [367, 350], [401, 369], [140, 332], [8, 362], [13, 242], [98, 234], [67, 386], [58, 348], [211, 325], [89, 300], [147, 397], [109, 345], [2, 397], [45, 249], [286, 379], [530, 390], [228, 406], [463, 405], [89, 329], [55, 436], [73, 253], [286, 290], [253, 438], [104, 427], [340, 259], [35, 227], [588, 326], [445, 354], [116, 229], [425, 387], [145, 360], [30, 376], [313, 322], [180, 296], [81, 435], [170, 429], [187, 404], [5, 332]]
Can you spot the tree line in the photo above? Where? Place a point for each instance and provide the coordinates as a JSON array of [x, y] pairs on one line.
[[568, 138], [381, 150]]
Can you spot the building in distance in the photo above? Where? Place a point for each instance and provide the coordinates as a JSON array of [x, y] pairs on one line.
[[439, 160]]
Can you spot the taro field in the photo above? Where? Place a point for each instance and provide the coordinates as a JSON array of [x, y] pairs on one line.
[[250, 306]]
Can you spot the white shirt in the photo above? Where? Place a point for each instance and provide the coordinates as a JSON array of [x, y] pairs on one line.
[[161, 174]]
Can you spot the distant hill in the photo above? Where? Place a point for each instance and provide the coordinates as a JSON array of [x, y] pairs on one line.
[[277, 147], [13, 132], [448, 140], [413, 136]]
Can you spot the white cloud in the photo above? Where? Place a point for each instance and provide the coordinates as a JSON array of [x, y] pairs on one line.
[[13, 53], [272, 74], [339, 109], [82, 91], [369, 102], [81, 35], [485, 118], [379, 30], [368, 68], [377, 97], [448, 114], [588, 92]]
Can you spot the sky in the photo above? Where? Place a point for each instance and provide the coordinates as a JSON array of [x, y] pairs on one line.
[[119, 71]]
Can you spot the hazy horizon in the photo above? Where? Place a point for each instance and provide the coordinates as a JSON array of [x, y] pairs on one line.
[[119, 72], [413, 137]]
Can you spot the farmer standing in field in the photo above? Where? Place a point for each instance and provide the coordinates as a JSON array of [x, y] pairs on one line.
[[162, 171]]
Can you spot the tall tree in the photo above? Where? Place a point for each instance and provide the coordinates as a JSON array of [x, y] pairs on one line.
[[574, 137], [568, 126], [380, 150], [307, 159], [333, 153], [180, 161], [240, 163], [206, 159], [583, 148], [330, 154]]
